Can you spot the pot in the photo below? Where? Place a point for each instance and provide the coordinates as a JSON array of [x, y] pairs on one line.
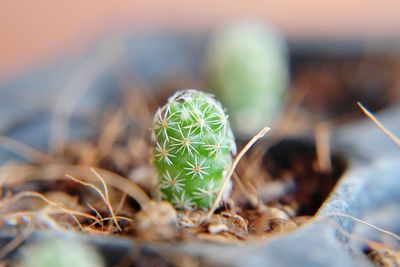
[[367, 190]]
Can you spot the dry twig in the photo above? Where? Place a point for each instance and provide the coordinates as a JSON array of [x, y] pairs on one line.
[[104, 196], [24, 151], [16, 242], [339, 214], [380, 125], [322, 136], [20, 195], [13, 175], [230, 172]]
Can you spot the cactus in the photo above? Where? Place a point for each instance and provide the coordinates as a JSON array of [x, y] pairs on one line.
[[60, 252], [193, 149], [247, 68]]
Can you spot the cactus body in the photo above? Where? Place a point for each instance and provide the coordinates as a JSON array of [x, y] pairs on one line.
[[247, 69], [193, 149], [60, 252]]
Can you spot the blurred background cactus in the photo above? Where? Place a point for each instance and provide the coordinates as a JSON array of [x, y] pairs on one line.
[[193, 149], [247, 68], [61, 253]]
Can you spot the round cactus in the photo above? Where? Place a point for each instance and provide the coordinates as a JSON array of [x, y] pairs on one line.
[[193, 149]]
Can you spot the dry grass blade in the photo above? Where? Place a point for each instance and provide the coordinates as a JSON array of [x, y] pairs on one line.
[[20, 195], [109, 219], [53, 223], [23, 150], [69, 212], [49, 221], [17, 174], [103, 196], [339, 214], [382, 254], [107, 197], [348, 235], [119, 182], [322, 136], [16, 242], [121, 202], [97, 213], [380, 125], [231, 170]]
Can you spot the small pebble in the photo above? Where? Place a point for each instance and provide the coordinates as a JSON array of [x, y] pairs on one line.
[[214, 228]]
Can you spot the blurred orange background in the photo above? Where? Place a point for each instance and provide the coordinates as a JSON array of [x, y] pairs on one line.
[[34, 32]]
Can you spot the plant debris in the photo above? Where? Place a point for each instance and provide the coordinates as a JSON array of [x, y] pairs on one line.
[[105, 186]]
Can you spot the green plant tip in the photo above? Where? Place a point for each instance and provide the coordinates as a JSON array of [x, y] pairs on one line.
[[193, 149]]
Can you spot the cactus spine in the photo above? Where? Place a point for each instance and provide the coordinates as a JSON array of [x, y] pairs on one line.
[[193, 149]]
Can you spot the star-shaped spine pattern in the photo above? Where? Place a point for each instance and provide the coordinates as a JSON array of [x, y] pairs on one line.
[[192, 147]]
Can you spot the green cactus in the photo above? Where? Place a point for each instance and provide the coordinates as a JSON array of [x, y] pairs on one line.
[[60, 252], [247, 68], [193, 149]]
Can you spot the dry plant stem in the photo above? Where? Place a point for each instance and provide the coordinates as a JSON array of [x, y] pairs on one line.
[[107, 198], [121, 183], [23, 194], [51, 222], [376, 121], [104, 196], [121, 203], [360, 238], [339, 214], [345, 233], [97, 213], [29, 213], [109, 219], [49, 219], [23, 150], [16, 242], [76, 213], [322, 136], [231, 170], [22, 173]]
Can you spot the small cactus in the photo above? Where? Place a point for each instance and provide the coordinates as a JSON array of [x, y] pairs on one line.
[[60, 252], [193, 149], [247, 69]]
